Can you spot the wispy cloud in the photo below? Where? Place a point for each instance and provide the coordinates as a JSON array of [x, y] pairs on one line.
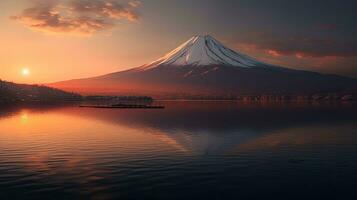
[[77, 17], [333, 55], [300, 46]]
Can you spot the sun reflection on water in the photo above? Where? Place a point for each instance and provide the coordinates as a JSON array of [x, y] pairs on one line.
[[24, 116]]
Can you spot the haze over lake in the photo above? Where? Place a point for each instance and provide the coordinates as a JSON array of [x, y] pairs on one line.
[[190, 150]]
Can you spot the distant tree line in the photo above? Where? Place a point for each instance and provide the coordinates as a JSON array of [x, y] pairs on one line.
[[266, 97], [120, 98], [111, 100], [12, 92]]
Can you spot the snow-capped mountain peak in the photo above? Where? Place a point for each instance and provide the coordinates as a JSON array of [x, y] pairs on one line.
[[202, 67], [203, 50]]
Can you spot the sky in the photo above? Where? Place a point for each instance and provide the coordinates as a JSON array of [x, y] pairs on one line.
[[58, 40]]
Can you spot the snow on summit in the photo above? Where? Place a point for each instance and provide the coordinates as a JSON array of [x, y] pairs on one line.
[[203, 50]]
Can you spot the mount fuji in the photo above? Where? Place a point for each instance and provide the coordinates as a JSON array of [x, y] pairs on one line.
[[204, 66], [203, 51]]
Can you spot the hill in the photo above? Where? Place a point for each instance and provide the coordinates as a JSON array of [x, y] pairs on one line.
[[12, 92]]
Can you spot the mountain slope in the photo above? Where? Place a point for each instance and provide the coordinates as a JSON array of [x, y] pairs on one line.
[[203, 66]]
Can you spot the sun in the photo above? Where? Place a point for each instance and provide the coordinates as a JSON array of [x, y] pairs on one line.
[[25, 72]]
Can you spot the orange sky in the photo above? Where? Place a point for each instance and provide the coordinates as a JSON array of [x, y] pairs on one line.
[[54, 57], [132, 33]]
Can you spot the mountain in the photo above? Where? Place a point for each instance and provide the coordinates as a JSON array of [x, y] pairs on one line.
[[203, 66], [12, 92], [203, 51]]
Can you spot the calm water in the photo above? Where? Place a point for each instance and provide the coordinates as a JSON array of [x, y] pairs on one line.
[[191, 150]]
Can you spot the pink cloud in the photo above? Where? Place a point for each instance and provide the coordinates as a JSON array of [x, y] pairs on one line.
[[299, 46], [78, 17]]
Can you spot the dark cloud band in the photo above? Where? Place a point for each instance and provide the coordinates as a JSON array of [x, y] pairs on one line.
[[301, 46]]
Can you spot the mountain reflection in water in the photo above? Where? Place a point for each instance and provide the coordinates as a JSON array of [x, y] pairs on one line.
[[212, 150]]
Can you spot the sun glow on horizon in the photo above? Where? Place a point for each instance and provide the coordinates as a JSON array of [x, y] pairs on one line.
[[25, 72]]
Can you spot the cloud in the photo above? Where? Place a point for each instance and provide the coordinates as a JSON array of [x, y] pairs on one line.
[[259, 45], [77, 17], [300, 46]]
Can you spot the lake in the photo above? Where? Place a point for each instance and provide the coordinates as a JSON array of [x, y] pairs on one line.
[[190, 150]]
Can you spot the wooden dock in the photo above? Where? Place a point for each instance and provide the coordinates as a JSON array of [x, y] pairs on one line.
[[123, 106]]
